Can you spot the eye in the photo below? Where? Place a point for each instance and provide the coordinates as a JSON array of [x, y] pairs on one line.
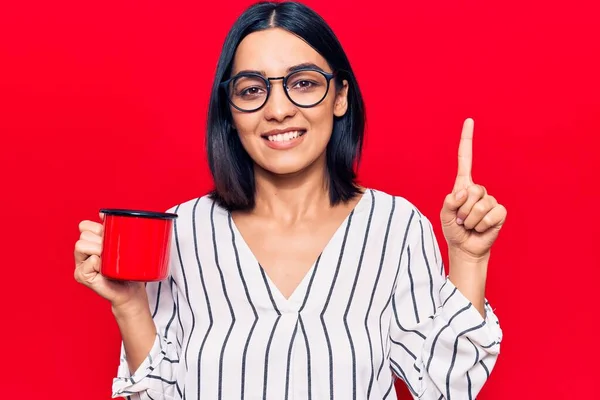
[[248, 87], [251, 91], [306, 81], [304, 84]]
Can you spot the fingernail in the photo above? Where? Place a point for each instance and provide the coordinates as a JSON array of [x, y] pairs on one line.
[[460, 194], [459, 221]]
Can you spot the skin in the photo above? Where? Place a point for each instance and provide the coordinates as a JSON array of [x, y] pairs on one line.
[[293, 220], [471, 221]]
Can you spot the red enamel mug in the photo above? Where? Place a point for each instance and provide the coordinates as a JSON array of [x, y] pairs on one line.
[[136, 244]]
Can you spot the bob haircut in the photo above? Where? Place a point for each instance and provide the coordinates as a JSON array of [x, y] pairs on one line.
[[231, 166]]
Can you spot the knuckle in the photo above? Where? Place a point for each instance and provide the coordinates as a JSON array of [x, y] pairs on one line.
[[91, 226], [78, 275], [448, 199], [481, 228], [487, 221], [88, 236], [96, 228], [479, 208], [92, 261], [79, 246], [477, 190], [472, 190]]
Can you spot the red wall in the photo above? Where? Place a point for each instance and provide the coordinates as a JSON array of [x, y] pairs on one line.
[[102, 104]]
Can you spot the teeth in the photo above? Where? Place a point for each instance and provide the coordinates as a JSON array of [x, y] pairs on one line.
[[284, 137]]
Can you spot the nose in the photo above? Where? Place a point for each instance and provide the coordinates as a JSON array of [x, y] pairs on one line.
[[278, 106]]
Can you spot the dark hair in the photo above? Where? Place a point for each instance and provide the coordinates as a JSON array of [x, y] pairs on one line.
[[231, 166]]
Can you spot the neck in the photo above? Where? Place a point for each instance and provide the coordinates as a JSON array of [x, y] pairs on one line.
[[292, 197]]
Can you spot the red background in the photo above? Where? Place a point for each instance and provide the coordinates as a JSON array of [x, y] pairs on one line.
[[102, 104]]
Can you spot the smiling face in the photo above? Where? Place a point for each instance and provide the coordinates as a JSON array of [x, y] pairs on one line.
[[281, 137]]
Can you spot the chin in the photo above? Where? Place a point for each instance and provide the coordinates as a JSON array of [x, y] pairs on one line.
[[291, 164], [286, 169], [289, 167]]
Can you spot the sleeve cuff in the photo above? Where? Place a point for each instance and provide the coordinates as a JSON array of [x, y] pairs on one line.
[[466, 321], [126, 383]]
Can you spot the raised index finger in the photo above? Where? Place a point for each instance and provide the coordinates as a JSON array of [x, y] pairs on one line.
[[465, 151]]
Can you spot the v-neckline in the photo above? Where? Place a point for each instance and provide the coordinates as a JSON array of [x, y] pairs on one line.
[[296, 300]]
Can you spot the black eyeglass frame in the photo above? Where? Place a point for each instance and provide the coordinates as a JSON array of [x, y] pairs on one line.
[[328, 77]]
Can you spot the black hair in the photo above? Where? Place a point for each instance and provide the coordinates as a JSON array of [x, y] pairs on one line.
[[231, 166]]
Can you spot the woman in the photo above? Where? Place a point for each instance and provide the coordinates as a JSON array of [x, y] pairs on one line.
[[290, 280]]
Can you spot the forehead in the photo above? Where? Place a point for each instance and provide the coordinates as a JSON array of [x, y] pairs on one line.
[[273, 51]]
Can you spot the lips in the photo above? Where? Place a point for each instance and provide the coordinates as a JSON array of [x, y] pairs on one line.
[[284, 139]]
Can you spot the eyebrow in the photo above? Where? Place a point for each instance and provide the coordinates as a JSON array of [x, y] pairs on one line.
[[290, 69]]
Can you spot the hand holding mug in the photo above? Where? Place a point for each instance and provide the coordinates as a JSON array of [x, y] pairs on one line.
[[88, 252], [115, 258]]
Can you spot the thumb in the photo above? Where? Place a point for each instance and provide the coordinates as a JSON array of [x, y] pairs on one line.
[[451, 205]]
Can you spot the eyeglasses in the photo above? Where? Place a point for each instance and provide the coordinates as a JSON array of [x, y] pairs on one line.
[[305, 88]]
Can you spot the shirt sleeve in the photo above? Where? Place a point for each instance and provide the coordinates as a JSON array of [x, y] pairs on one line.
[[156, 377], [440, 347]]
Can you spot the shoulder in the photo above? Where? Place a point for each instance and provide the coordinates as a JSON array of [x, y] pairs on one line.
[[198, 206], [399, 204], [408, 225], [399, 209], [196, 219]]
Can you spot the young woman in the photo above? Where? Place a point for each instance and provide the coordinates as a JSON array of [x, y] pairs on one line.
[[289, 280]]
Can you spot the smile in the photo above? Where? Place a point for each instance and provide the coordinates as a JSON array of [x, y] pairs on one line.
[[285, 137]]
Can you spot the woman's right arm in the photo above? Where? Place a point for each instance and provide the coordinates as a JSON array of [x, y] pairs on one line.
[[138, 331], [150, 350]]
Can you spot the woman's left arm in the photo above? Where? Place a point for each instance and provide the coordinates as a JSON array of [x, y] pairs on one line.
[[448, 345], [440, 345], [471, 220]]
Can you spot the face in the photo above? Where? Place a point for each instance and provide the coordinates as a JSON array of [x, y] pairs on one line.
[[281, 137]]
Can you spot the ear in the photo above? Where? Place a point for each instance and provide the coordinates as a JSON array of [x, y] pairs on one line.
[[341, 100]]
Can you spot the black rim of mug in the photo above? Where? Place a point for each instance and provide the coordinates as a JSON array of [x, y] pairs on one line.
[[137, 213]]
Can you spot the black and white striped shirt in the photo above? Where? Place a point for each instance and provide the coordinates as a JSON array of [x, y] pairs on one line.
[[375, 302]]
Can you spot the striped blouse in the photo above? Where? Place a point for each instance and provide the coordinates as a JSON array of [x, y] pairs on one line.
[[375, 305]]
